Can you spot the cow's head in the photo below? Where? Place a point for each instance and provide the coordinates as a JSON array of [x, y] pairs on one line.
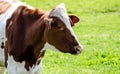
[[59, 33]]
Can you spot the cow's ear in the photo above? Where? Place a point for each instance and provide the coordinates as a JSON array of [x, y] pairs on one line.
[[48, 22], [74, 18]]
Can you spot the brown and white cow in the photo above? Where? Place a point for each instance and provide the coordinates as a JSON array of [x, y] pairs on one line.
[[26, 32]]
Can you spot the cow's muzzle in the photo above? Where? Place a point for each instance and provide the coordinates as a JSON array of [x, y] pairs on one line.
[[78, 49]]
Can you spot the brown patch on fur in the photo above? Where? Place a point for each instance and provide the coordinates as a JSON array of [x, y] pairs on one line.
[[6, 52], [24, 35]]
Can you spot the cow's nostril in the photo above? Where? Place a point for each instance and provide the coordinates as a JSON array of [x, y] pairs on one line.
[[78, 49]]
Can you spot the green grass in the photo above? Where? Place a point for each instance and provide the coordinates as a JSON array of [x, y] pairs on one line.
[[99, 33]]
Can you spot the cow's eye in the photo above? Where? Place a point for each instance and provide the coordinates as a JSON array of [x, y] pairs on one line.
[[60, 27]]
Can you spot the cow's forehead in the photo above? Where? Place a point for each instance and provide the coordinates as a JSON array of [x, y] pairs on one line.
[[61, 13]]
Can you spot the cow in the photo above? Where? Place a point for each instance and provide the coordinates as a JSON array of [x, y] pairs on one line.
[[26, 33]]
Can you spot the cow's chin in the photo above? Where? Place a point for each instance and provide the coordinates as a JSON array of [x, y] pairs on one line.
[[71, 52], [74, 53]]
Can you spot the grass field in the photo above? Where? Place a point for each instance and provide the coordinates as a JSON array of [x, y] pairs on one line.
[[98, 32]]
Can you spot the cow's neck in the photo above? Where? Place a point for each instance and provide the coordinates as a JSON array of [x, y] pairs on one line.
[[35, 38], [35, 35], [35, 42]]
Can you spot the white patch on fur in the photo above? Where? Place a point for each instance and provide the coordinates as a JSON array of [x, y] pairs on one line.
[[2, 57], [18, 68], [60, 12], [15, 67]]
